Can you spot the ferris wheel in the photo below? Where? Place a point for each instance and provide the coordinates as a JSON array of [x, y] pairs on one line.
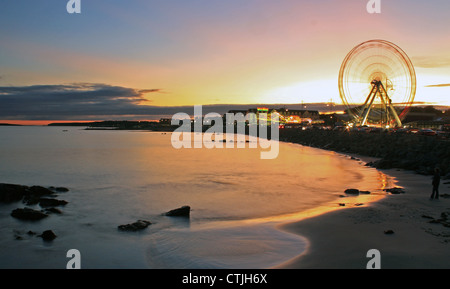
[[377, 83]]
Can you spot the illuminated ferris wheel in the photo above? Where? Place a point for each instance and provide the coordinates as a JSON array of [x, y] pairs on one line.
[[377, 83]]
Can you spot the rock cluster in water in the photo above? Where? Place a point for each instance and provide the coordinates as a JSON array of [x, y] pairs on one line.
[[10, 193], [33, 195]]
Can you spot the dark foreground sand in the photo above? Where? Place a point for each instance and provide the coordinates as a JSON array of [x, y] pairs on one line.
[[342, 238]]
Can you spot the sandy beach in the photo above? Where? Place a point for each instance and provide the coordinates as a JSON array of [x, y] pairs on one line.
[[342, 238]]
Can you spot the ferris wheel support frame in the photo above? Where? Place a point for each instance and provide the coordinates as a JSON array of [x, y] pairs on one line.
[[378, 89]]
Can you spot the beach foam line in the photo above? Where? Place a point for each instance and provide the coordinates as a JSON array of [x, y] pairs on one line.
[[223, 245]]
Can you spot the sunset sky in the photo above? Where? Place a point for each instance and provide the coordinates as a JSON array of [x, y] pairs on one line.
[[118, 55]]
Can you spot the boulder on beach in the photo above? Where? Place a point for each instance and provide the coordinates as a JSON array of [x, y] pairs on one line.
[[136, 226], [352, 191], [179, 212], [28, 214], [395, 191]]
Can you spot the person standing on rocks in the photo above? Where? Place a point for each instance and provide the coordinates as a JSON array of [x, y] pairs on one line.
[[435, 183]]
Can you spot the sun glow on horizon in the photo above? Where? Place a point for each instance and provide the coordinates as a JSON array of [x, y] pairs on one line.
[[432, 89], [318, 91]]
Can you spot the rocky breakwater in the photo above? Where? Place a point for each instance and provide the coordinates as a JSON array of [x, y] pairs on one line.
[[419, 153]]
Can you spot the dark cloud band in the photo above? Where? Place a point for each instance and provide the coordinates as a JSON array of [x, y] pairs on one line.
[[71, 101]]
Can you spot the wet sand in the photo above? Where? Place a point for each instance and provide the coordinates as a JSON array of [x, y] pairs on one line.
[[341, 239]]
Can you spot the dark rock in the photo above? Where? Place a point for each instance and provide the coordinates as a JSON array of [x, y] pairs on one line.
[[30, 200], [365, 192], [389, 232], [45, 202], [434, 221], [31, 233], [39, 191], [48, 235], [358, 204], [53, 210], [180, 212], [342, 204], [395, 191], [136, 226], [12, 193], [28, 214], [443, 221], [352, 191], [427, 217], [61, 189]]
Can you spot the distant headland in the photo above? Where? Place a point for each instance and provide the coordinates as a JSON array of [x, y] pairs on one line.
[[9, 124]]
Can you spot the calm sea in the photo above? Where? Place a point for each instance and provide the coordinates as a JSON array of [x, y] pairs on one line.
[[118, 177]]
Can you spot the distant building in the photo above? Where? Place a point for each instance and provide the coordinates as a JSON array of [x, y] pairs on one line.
[[286, 116], [165, 121], [291, 116], [436, 125], [436, 121]]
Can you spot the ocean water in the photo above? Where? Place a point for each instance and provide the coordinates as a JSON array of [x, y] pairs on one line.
[[118, 177]]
